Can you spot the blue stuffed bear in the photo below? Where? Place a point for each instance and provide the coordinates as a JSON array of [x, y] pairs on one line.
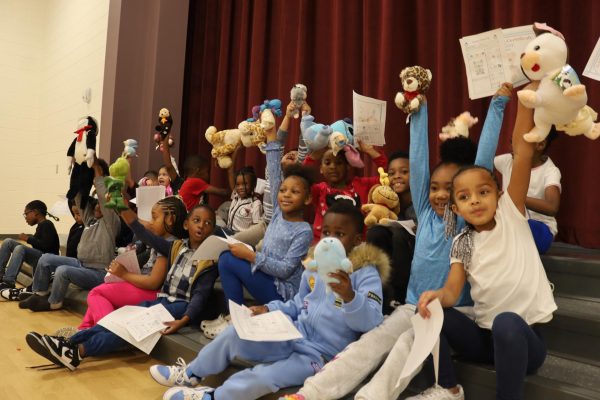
[[316, 136], [329, 256]]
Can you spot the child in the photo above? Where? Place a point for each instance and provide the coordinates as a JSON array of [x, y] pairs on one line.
[[335, 171], [95, 251], [429, 268], [75, 231], [184, 294], [496, 254], [196, 182], [44, 240], [274, 272], [165, 180], [543, 197], [328, 322], [246, 208], [168, 216], [150, 179]]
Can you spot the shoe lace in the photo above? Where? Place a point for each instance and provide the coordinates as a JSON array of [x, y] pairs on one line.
[[181, 366]]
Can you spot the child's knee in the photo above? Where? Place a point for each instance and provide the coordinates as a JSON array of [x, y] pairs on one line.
[[225, 261], [506, 327]]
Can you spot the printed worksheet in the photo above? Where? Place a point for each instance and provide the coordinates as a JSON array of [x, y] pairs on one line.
[[592, 69], [368, 119], [129, 261], [147, 321], [115, 322], [515, 40], [273, 326]]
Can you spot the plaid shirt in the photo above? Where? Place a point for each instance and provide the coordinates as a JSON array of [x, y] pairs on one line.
[[178, 284]]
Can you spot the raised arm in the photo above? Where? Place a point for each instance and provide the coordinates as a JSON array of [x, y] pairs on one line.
[[166, 156], [488, 141], [522, 158], [419, 160], [273, 150]]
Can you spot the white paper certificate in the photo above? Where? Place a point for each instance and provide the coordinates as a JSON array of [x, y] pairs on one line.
[[368, 119], [592, 69]]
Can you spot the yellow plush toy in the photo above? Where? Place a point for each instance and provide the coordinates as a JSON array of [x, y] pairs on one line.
[[224, 143], [383, 201]]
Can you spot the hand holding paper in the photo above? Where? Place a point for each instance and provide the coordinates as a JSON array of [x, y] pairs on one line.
[[272, 326]]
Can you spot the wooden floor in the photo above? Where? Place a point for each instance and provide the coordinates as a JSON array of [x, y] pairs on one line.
[[124, 376]]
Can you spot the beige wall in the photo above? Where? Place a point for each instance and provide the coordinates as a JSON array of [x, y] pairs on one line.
[[51, 51]]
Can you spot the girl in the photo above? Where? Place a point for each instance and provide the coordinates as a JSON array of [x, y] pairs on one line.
[[44, 240], [497, 255], [274, 272], [335, 170], [168, 216], [165, 180], [246, 209], [184, 294], [429, 268], [75, 231]]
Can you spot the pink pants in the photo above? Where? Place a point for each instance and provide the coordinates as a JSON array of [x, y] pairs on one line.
[[106, 298]]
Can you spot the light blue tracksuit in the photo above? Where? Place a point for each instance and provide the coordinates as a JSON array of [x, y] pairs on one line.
[[327, 326]]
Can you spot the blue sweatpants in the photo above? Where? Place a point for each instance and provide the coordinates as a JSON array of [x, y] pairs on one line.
[[288, 364], [542, 235], [237, 273], [515, 348], [98, 341]]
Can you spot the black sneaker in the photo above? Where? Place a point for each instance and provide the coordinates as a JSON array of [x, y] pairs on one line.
[[6, 285], [10, 294], [66, 352], [36, 342], [25, 293], [38, 303]]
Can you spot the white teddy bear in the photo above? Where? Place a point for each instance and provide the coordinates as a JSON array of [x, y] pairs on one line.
[[560, 99]]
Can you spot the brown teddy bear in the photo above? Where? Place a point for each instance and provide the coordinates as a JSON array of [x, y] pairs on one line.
[[415, 82], [383, 201]]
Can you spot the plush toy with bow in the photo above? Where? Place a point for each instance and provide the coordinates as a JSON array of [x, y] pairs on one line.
[[263, 120], [119, 170], [329, 256], [458, 126], [383, 202], [415, 82], [165, 122], [560, 98], [298, 96], [224, 144], [81, 154]]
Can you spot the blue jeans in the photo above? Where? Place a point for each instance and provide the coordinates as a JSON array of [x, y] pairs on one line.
[[289, 364], [542, 235], [515, 348], [237, 273], [99, 341], [18, 254], [66, 270]]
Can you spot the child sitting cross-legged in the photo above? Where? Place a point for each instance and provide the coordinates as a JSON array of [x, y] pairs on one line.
[[184, 293], [328, 322]]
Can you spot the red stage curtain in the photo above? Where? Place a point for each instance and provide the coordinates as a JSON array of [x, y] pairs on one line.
[[241, 52]]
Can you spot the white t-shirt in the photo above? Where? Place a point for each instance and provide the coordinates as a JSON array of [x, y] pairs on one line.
[[506, 273], [243, 213], [544, 176]]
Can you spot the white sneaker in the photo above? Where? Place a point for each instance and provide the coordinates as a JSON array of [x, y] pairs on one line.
[[173, 375], [436, 392], [219, 320], [185, 393]]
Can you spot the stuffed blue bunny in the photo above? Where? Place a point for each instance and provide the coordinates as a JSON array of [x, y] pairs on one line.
[[329, 256]]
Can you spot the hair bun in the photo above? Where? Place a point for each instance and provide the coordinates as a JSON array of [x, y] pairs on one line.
[[459, 150]]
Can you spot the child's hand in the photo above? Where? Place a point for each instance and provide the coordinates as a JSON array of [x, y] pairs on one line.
[[257, 310], [290, 110], [318, 154], [426, 298], [240, 250], [23, 237], [305, 109], [173, 326], [505, 90], [344, 288], [368, 149], [116, 269]]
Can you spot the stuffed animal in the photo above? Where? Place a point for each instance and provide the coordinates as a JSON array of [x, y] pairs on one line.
[[253, 134], [263, 120], [342, 138], [383, 201], [119, 170], [560, 98], [329, 256], [81, 154], [298, 95], [315, 135], [165, 122], [415, 82], [224, 143], [458, 126]]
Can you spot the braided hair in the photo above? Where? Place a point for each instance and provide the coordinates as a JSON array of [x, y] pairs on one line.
[[248, 171], [40, 206], [173, 205]]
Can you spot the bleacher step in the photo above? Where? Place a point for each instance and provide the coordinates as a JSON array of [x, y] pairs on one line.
[[574, 272]]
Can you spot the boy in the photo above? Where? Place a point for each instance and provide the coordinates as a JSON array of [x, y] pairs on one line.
[[543, 197], [328, 322]]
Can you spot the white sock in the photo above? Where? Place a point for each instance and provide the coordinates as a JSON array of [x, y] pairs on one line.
[[55, 306], [42, 292]]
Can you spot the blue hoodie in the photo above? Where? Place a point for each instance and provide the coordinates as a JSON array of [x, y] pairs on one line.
[[326, 322]]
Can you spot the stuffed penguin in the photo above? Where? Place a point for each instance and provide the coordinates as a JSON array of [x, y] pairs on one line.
[[81, 154]]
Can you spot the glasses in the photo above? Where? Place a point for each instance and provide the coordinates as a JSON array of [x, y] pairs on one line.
[[27, 212]]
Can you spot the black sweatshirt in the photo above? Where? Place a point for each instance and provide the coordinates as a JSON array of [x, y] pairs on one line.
[[45, 238]]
